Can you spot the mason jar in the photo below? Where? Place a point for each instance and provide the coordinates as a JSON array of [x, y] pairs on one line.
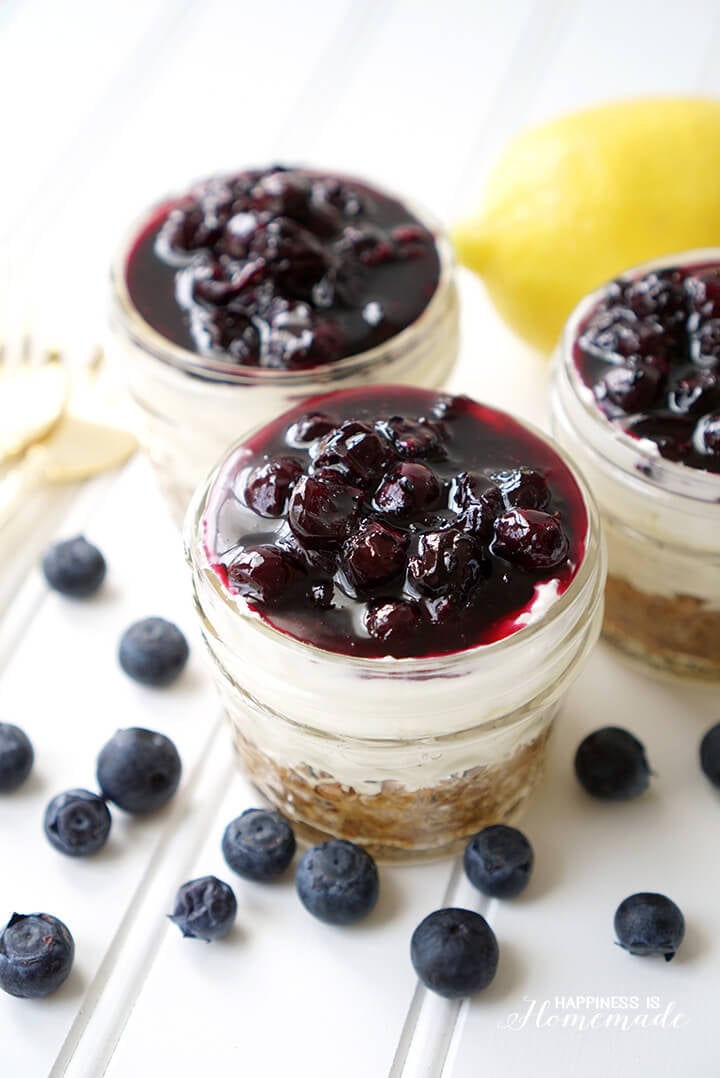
[[406, 756], [661, 518], [191, 407]]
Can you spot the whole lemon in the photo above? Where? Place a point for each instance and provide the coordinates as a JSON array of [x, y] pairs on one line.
[[575, 202]]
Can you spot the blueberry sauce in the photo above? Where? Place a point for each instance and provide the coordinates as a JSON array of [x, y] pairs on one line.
[[391, 521], [281, 268], [650, 353]]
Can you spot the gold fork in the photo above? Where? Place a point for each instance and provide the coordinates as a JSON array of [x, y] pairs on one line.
[[74, 447], [33, 396]]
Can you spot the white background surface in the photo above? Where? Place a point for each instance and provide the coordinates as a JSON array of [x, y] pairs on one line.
[[105, 107]]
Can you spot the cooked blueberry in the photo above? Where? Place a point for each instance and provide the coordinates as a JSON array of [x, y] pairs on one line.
[[153, 651], [77, 822], [138, 770], [337, 882], [671, 433], [610, 764], [616, 332], [294, 255], [36, 955], [259, 844], [498, 861], [204, 909], [74, 567], [323, 594], [710, 754], [373, 556], [414, 437], [659, 294], [706, 436], [265, 574], [322, 512], [355, 451], [703, 292], [531, 539], [695, 393], [392, 620], [16, 757], [632, 389], [454, 952], [705, 343], [479, 502], [649, 924], [523, 488], [446, 561], [309, 428], [268, 486], [411, 487]]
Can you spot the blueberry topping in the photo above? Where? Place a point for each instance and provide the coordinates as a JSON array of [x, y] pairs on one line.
[[479, 502], [454, 952], [525, 488], [268, 486], [308, 428], [259, 844], [393, 620], [649, 924], [337, 882], [353, 453], [205, 909], [374, 556], [447, 562], [282, 268], [153, 651], [138, 770], [650, 351], [710, 754], [265, 574], [706, 436], [414, 438], [36, 955], [77, 823], [74, 567], [16, 757], [530, 539], [323, 511], [408, 489], [498, 861], [611, 765]]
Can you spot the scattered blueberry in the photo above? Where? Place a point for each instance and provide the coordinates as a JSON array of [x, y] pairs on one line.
[[77, 822], [337, 882], [16, 757], [153, 651], [36, 955], [610, 764], [649, 924], [138, 770], [74, 567], [204, 909], [710, 754], [454, 952], [259, 844], [499, 861]]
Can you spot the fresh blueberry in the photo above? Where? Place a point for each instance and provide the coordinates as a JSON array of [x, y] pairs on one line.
[[611, 764], [153, 651], [77, 823], [259, 844], [138, 770], [36, 955], [649, 924], [710, 754], [74, 567], [454, 952], [16, 757], [205, 909], [337, 882], [498, 861]]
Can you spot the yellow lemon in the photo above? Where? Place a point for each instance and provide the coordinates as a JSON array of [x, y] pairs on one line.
[[575, 202]]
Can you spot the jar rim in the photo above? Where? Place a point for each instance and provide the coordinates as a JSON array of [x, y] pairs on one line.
[[593, 555], [638, 458], [192, 363]]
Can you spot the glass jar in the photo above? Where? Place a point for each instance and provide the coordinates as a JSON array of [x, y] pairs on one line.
[[661, 520], [192, 407], [406, 756]]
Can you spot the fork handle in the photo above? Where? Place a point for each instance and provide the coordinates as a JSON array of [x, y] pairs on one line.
[[20, 481]]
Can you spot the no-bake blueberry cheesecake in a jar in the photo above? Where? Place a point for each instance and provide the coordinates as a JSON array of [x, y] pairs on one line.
[[253, 290], [636, 403], [396, 589]]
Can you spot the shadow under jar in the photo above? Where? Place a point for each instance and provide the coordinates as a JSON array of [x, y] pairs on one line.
[[254, 290], [392, 627], [636, 404]]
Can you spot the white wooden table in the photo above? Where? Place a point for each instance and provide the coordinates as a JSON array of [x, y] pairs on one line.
[[104, 108]]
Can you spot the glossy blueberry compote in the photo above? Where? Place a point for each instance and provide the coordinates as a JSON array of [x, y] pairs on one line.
[[650, 353], [282, 268], [390, 521]]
